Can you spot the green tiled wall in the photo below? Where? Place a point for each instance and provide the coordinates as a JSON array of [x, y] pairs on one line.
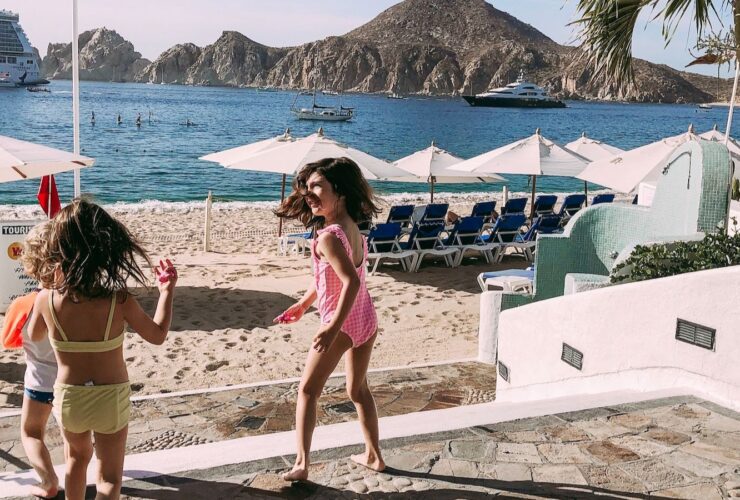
[[691, 197]]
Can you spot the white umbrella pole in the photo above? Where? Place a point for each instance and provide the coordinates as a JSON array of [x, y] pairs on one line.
[[727, 139], [732, 103], [282, 197], [76, 92]]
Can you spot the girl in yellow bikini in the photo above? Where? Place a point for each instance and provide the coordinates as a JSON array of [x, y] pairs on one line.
[[82, 308]]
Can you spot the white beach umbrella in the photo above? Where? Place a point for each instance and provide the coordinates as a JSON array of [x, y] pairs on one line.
[[290, 156], [625, 171], [26, 160], [432, 165], [230, 156], [593, 150], [534, 156]]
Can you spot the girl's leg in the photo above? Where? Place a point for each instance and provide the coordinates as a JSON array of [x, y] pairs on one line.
[[78, 451], [110, 450], [357, 362], [34, 416], [318, 368]]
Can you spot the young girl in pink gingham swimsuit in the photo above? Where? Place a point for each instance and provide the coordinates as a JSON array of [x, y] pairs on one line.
[[333, 196], [362, 322]]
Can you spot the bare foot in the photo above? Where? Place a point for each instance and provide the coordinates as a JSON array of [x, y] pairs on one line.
[[298, 473], [45, 490], [370, 461]]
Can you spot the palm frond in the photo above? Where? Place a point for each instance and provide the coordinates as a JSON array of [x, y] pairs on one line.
[[607, 28]]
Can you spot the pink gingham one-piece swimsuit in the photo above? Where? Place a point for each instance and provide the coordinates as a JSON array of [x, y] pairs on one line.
[[362, 321]]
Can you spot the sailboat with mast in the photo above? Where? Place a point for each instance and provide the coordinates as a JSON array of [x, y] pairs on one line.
[[321, 113]]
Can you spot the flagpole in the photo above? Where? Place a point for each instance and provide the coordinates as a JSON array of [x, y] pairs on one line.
[[76, 93]]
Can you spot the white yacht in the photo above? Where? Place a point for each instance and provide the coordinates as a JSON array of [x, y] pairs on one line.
[[18, 63], [520, 94]]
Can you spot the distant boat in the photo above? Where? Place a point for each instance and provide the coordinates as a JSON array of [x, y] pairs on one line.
[[267, 89], [321, 113], [329, 92], [395, 96], [705, 106], [6, 83], [519, 94]]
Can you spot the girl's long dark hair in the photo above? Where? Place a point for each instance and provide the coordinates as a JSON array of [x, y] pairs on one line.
[[96, 254], [345, 178]]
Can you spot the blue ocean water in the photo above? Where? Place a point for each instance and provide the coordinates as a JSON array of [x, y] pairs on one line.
[[159, 160]]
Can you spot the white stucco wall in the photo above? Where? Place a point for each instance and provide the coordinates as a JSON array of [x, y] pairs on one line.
[[627, 336]]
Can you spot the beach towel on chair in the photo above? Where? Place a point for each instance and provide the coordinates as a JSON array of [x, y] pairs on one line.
[[16, 317]]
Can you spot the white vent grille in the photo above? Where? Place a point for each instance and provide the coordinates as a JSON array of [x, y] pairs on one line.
[[572, 356], [695, 334]]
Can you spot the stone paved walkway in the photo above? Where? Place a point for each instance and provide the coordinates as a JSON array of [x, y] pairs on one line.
[[176, 421], [670, 448]]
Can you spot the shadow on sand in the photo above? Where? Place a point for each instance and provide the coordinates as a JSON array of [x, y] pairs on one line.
[[206, 308]]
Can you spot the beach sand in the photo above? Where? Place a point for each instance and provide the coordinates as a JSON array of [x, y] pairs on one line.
[[225, 301]]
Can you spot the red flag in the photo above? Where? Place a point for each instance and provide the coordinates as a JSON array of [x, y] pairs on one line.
[[48, 196]]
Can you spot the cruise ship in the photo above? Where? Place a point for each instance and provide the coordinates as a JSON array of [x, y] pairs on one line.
[[18, 63], [520, 94]]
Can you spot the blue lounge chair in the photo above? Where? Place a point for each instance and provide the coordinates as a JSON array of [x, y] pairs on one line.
[[514, 206], [544, 224], [602, 198], [425, 239], [434, 212], [545, 204], [465, 235], [297, 242], [505, 230], [383, 243], [401, 214], [571, 205], [484, 209]]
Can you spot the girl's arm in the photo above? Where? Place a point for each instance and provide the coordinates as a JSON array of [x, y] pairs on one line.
[[154, 330], [296, 311], [36, 323], [333, 251]]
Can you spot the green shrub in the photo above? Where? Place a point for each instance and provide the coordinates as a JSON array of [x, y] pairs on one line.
[[660, 260]]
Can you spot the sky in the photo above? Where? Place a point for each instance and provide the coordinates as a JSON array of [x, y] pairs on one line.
[[155, 25]]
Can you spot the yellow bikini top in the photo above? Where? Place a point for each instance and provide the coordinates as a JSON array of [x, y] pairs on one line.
[[104, 345]]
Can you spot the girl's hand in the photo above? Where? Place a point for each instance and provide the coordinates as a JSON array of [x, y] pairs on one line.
[[166, 276], [290, 315], [324, 338]]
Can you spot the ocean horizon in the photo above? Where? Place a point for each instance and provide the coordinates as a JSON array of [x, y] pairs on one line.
[[159, 161]]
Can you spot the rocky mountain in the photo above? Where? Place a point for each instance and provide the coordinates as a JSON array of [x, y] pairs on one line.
[[416, 46], [231, 60], [104, 56]]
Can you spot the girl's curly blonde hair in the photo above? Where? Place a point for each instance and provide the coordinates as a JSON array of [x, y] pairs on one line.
[[36, 260]]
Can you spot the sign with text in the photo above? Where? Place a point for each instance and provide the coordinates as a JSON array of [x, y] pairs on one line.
[[14, 282]]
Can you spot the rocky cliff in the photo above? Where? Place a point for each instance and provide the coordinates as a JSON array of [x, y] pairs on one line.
[[416, 46], [104, 56]]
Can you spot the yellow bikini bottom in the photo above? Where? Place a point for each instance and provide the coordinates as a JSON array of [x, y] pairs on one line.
[[99, 408]]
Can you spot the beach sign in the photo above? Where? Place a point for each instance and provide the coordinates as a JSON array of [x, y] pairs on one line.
[[14, 282]]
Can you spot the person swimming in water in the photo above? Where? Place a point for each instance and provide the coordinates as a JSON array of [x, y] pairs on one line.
[[138, 120], [119, 120], [92, 117]]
